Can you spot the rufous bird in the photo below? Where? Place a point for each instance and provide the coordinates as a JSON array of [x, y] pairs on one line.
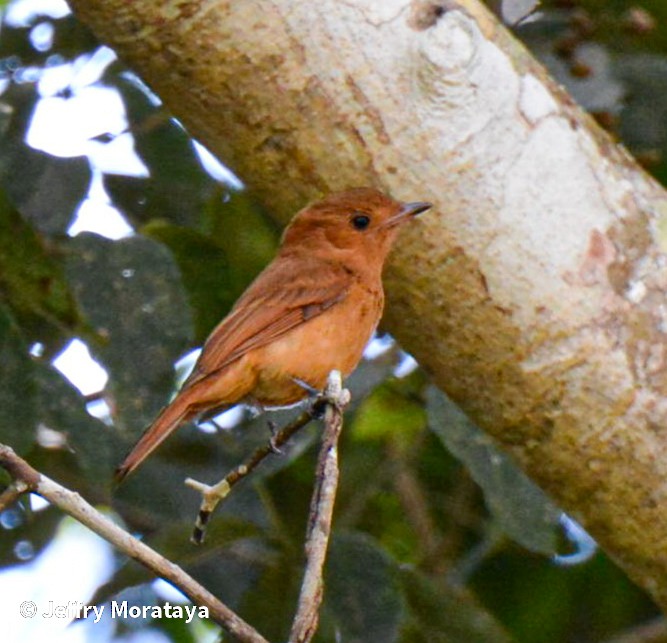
[[313, 309]]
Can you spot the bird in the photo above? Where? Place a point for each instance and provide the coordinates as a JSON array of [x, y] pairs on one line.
[[313, 309]]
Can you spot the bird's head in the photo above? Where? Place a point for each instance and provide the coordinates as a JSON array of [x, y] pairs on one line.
[[360, 221]]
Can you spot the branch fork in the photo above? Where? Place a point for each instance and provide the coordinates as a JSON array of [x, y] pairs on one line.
[[333, 400], [333, 396]]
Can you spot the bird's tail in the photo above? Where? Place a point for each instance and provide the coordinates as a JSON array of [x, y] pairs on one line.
[[170, 418]]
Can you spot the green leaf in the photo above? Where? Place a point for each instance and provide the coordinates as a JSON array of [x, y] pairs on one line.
[[439, 613], [176, 629], [18, 412], [523, 510], [31, 279], [218, 266], [130, 291], [642, 118], [270, 602], [205, 271], [244, 232], [362, 595], [388, 413]]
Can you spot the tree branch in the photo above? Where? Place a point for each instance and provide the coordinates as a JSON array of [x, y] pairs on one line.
[[29, 479], [321, 513], [533, 293], [334, 399], [212, 495]]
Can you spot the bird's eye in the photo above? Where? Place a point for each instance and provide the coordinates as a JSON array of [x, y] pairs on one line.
[[361, 221]]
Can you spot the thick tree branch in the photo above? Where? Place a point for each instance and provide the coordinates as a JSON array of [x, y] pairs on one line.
[[535, 293], [74, 505]]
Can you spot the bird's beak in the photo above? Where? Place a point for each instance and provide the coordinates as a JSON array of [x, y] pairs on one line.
[[407, 211]]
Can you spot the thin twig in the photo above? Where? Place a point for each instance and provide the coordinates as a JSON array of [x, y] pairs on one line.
[[12, 493], [212, 495], [321, 511], [413, 499], [74, 505]]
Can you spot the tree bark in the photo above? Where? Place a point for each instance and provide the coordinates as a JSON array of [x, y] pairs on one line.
[[534, 294]]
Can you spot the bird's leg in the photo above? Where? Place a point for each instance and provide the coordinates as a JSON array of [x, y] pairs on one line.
[[316, 397], [311, 390], [257, 409], [273, 427]]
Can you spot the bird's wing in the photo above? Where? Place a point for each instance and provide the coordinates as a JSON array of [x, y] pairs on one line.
[[288, 293]]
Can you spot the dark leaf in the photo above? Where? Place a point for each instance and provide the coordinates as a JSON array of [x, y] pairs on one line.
[[45, 189], [362, 595], [130, 291], [644, 115], [176, 629], [270, 602], [16, 48], [244, 232], [33, 530], [131, 597], [223, 564], [523, 511], [70, 39], [205, 270], [217, 266], [95, 446], [31, 280], [178, 186], [156, 495], [442, 614], [18, 410]]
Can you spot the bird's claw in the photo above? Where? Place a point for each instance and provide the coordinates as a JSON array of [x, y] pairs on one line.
[[311, 390], [272, 440]]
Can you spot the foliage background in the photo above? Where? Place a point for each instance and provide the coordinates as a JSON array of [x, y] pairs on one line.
[[438, 537]]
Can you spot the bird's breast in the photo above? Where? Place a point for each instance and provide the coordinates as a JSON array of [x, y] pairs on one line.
[[334, 339]]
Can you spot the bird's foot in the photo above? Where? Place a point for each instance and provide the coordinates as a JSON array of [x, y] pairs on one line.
[[311, 390], [255, 409], [272, 440]]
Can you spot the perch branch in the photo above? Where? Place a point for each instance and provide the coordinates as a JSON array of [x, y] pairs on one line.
[[29, 479], [212, 495], [321, 512]]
